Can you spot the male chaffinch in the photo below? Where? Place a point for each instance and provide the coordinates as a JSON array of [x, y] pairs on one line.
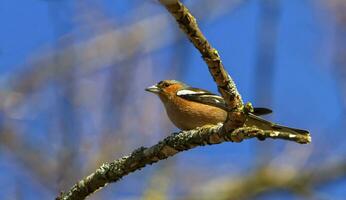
[[189, 108]]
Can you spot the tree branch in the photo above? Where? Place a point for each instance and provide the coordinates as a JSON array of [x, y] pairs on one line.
[[177, 142]]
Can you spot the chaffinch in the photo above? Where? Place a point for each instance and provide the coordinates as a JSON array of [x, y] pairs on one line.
[[189, 107]]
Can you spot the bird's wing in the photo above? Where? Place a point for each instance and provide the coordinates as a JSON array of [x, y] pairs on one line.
[[260, 123], [202, 96], [206, 97]]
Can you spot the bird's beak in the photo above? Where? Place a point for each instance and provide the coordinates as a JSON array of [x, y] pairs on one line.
[[153, 89]]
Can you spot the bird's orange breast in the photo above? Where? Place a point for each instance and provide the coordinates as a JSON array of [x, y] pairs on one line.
[[188, 115]]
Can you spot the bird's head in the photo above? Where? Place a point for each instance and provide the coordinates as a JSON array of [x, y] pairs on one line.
[[166, 88]]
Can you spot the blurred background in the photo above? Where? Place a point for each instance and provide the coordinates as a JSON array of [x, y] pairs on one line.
[[72, 79]]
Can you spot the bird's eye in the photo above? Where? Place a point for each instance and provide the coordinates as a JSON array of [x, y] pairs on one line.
[[163, 84]]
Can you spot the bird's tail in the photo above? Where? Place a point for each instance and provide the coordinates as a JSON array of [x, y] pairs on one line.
[[261, 111], [263, 124]]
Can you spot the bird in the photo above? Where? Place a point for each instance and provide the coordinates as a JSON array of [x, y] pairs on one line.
[[188, 108]]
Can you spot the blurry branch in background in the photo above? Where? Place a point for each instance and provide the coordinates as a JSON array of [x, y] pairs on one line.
[[66, 116], [270, 179], [185, 140], [267, 32], [29, 156], [338, 7]]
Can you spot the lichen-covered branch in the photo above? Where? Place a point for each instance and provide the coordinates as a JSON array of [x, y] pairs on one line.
[[177, 142], [250, 132]]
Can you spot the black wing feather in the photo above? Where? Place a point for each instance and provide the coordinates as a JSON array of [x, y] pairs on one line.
[[205, 97], [209, 98], [261, 111]]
